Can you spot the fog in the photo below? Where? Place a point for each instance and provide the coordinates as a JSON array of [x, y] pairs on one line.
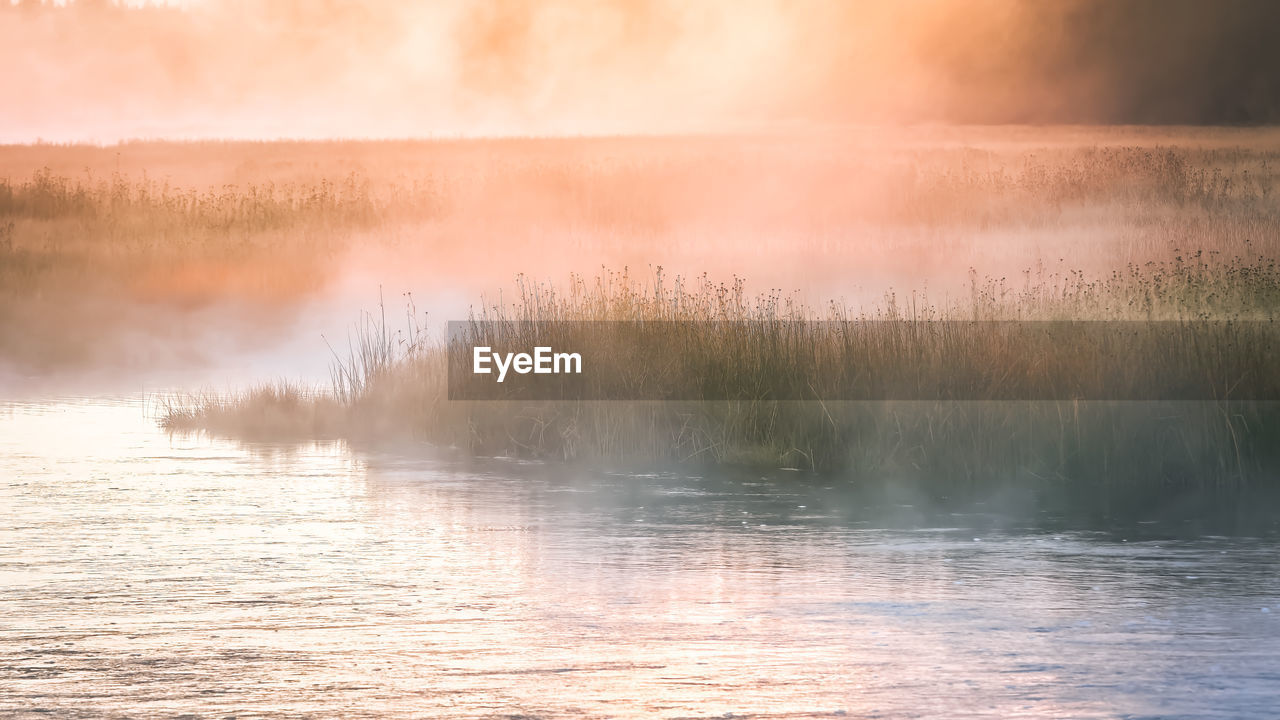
[[839, 162], [96, 71]]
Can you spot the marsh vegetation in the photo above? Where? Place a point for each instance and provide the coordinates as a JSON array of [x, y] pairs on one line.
[[394, 384], [107, 250], [113, 255]]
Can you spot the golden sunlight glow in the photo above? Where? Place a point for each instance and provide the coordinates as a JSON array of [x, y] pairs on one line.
[[392, 68]]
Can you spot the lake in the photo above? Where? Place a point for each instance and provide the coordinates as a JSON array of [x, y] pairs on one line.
[[153, 575]]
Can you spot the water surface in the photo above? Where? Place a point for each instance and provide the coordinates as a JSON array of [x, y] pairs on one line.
[[149, 575]]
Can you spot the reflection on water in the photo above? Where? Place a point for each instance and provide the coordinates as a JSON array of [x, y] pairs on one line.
[[148, 575]]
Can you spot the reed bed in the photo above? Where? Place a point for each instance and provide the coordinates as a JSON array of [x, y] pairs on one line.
[[98, 245], [106, 252], [394, 384]]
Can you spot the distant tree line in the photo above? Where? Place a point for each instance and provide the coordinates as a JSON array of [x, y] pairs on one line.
[[1148, 61]]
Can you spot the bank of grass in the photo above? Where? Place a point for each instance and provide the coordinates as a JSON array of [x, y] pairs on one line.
[[394, 385]]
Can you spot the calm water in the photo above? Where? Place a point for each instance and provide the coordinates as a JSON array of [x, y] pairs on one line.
[[144, 575]]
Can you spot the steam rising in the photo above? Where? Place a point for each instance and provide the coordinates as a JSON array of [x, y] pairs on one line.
[[393, 68]]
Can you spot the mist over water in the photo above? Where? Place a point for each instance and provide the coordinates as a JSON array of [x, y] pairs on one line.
[[152, 575], [375, 169], [226, 263]]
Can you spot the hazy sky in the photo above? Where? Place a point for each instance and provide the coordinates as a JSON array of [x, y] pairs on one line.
[[397, 68]]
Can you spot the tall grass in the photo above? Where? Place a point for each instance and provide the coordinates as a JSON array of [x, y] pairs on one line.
[[127, 212], [391, 387], [99, 246]]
